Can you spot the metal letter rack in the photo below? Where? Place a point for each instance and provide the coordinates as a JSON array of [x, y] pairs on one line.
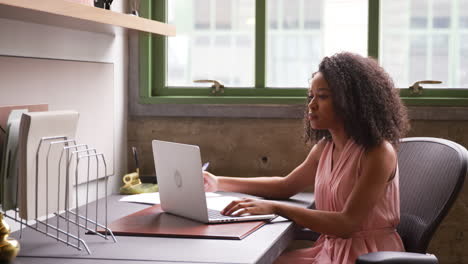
[[66, 215]]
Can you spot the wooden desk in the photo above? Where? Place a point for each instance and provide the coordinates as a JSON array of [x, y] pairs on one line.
[[262, 246]]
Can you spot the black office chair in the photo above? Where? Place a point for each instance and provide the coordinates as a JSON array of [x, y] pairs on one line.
[[432, 172]]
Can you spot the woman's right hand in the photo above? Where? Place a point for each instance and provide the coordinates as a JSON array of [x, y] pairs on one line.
[[211, 182]]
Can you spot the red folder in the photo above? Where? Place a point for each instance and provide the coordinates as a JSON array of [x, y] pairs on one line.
[[153, 221]]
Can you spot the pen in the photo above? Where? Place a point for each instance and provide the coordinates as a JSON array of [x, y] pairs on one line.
[[135, 156], [205, 166]]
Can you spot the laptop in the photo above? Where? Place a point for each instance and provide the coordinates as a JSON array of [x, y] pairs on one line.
[[181, 186]]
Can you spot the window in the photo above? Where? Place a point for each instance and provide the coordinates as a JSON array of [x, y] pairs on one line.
[[422, 32], [424, 39], [293, 41], [213, 38], [279, 43]]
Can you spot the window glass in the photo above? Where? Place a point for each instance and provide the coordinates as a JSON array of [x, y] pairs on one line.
[[418, 55], [418, 13], [223, 14], [463, 9], [301, 32], [419, 41], [290, 16], [440, 58], [441, 13], [214, 37], [463, 76], [312, 14], [273, 16], [201, 13]]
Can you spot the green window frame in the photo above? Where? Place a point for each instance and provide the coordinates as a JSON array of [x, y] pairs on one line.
[[152, 66]]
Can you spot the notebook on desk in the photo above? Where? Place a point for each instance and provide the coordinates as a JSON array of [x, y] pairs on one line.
[[181, 186], [153, 221]]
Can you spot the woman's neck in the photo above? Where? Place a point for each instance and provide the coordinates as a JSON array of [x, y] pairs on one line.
[[339, 138]]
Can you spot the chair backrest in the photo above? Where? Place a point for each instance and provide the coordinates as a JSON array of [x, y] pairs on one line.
[[432, 172]]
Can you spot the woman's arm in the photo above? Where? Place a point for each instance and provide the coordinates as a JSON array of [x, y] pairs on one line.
[[271, 187], [377, 168]]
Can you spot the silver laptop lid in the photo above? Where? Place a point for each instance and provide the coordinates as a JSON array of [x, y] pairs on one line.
[[180, 179]]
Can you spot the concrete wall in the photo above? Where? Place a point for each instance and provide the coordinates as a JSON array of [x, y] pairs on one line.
[[257, 147], [239, 147]]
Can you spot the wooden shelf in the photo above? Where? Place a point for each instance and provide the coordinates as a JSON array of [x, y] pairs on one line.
[[77, 16]]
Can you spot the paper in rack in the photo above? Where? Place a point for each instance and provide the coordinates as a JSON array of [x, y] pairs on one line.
[[9, 171], [43, 189], [5, 112]]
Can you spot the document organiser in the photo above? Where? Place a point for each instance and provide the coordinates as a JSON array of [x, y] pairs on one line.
[[52, 193]]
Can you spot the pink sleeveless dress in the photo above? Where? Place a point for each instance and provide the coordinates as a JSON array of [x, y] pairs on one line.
[[332, 188]]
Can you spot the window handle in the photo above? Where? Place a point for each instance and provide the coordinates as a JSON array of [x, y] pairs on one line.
[[416, 88], [216, 88]]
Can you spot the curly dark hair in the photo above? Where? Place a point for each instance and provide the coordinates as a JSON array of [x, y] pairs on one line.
[[365, 97]]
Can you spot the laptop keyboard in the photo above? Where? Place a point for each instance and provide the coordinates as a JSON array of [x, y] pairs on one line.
[[214, 214]]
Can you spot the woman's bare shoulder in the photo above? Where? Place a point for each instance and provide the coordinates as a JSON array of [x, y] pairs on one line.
[[321, 144], [318, 148], [383, 154], [385, 150]]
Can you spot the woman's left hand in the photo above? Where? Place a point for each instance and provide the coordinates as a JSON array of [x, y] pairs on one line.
[[250, 206]]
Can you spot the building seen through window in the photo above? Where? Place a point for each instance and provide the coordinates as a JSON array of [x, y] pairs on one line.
[[425, 39], [419, 39], [216, 39]]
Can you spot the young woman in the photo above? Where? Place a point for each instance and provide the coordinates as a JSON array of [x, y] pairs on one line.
[[355, 117]]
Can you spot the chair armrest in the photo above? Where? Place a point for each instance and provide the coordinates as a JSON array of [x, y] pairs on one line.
[[302, 233], [389, 257]]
